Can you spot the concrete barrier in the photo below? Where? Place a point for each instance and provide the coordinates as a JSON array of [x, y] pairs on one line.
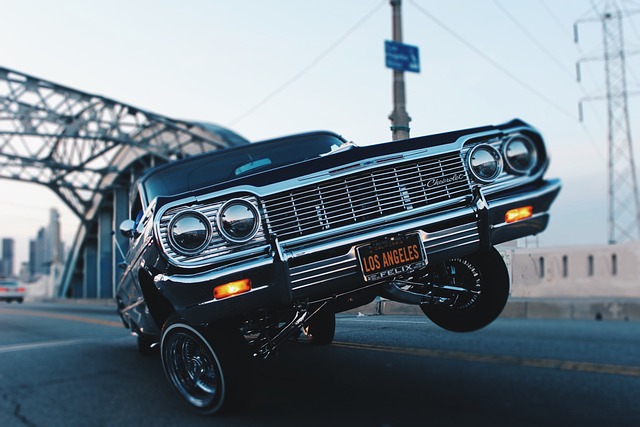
[[531, 308]]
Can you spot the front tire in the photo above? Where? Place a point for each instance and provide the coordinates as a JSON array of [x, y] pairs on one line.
[[210, 368], [485, 278]]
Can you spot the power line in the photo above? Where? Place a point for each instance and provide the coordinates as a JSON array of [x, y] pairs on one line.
[[532, 38], [491, 61], [553, 58], [630, 71], [634, 28], [555, 19], [306, 69]]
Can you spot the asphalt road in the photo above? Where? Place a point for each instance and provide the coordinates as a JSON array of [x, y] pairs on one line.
[[75, 365]]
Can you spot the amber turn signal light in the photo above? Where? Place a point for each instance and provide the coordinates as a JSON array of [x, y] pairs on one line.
[[518, 214], [232, 288]]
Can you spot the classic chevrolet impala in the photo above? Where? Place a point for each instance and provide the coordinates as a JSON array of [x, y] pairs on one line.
[[235, 251]]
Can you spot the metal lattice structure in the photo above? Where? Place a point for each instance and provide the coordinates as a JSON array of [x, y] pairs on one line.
[[72, 142], [623, 199], [89, 150], [624, 205]]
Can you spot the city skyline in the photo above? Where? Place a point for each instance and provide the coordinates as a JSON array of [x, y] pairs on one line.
[[44, 248]]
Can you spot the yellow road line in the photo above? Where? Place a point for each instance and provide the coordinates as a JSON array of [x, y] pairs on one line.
[[73, 318], [42, 344], [567, 365]]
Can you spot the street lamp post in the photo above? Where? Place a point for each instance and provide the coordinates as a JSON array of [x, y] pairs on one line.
[[399, 117]]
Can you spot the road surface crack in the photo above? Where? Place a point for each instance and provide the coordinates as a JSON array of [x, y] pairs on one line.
[[17, 411]]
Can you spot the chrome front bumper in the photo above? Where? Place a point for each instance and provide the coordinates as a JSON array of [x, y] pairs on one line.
[[306, 272]]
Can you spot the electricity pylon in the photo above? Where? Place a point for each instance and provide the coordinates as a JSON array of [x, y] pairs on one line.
[[624, 205]]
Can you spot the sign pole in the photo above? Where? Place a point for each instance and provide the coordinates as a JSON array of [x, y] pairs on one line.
[[399, 117]]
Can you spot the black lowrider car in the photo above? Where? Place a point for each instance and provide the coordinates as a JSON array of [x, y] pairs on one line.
[[234, 251]]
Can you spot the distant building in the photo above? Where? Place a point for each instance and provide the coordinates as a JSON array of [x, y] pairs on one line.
[[47, 248], [54, 244], [31, 264], [7, 260], [39, 253]]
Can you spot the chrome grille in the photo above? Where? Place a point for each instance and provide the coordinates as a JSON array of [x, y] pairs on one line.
[[370, 195]]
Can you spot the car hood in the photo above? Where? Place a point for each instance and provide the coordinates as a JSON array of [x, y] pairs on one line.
[[333, 161]]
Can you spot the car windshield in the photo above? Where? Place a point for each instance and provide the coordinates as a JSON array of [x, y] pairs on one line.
[[219, 166]]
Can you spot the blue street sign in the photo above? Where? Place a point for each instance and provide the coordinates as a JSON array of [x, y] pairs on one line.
[[402, 57]]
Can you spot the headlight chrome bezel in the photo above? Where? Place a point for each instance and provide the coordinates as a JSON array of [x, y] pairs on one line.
[[222, 226], [531, 149], [491, 151], [176, 246], [218, 249]]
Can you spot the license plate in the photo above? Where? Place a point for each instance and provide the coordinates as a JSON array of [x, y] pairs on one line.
[[391, 256]]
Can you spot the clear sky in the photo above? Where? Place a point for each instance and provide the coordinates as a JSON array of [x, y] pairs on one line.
[[270, 68]]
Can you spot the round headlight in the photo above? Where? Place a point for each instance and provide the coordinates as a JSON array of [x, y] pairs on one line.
[[519, 154], [238, 221], [189, 232], [485, 163]]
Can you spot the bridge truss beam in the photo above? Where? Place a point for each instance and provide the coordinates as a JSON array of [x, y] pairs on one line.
[[87, 148]]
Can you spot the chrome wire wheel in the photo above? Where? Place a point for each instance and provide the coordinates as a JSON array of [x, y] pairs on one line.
[[193, 368]]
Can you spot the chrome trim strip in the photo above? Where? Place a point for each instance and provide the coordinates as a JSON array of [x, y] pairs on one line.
[[338, 274], [318, 266], [215, 274], [460, 242], [325, 279], [349, 168], [442, 234], [415, 224], [550, 187], [453, 238]]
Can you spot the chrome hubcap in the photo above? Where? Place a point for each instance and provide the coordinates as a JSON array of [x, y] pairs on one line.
[[192, 368]]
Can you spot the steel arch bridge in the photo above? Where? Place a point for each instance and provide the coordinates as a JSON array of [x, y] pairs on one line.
[[89, 150]]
